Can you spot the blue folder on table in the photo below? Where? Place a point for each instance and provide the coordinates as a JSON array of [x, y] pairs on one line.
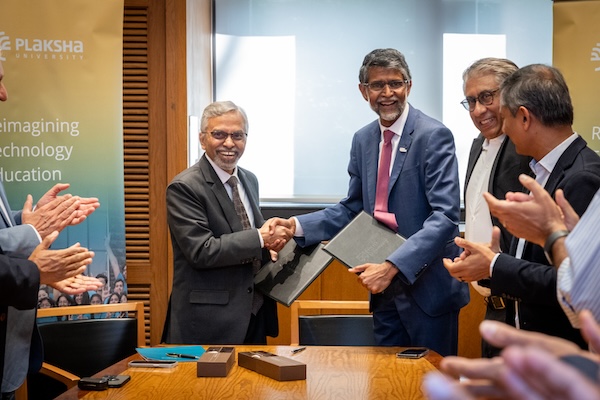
[[160, 353]]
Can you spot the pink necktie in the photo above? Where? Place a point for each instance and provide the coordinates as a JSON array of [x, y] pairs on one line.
[[383, 180]]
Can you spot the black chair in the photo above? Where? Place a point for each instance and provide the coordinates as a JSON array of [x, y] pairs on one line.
[[337, 330], [75, 349], [332, 329]]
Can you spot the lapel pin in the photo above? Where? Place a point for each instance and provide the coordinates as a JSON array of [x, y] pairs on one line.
[[402, 149]]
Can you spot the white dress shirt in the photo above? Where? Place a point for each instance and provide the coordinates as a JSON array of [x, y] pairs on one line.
[[478, 221]]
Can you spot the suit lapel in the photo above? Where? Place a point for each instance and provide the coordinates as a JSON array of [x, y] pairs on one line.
[[564, 162], [499, 156], [403, 147], [372, 162], [473, 157]]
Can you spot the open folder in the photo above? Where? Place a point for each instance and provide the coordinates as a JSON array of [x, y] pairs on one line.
[[295, 269], [364, 240]]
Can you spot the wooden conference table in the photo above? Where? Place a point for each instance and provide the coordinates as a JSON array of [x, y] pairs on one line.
[[334, 372]]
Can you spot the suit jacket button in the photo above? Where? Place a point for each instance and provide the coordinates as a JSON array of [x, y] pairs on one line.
[[249, 290]]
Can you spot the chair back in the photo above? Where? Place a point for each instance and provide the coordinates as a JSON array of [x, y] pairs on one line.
[[80, 348], [88, 346], [334, 328]]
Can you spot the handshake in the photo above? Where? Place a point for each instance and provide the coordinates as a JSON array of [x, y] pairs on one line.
[[276, 232]]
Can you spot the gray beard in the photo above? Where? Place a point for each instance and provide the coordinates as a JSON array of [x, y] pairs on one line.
[[390, 116], [225, 166]]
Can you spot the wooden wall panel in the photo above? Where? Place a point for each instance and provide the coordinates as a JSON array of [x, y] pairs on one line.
[[469, 339], [135, 152], [152, 117]]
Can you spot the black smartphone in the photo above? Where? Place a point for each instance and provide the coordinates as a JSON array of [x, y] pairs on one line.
[[152, 363], [115, 381], [413, 352], [93, 383]]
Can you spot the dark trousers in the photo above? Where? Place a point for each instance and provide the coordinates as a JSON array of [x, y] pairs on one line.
[[8, 396], [257, 333], [399, 321], [493, 312]]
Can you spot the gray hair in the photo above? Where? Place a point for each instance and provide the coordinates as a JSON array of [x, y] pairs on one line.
[[385, 58], [542, 90], [499, 67], [219, 108]]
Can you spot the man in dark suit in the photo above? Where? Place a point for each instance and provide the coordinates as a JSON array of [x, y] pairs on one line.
[[538, 118], [20, 234], [494, 166], [20, 280], [415, 302], [217, 246]]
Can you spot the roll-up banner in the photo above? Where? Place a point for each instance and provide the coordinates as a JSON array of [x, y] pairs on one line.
[[576, 52], [63, 121]]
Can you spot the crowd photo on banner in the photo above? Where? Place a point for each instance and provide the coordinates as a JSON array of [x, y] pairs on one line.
[[113, 291]]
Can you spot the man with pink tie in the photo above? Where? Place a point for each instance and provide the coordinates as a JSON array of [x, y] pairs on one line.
[[403, 170]]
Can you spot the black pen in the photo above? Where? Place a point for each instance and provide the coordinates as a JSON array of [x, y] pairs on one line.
[[298, 350], [181, 355]]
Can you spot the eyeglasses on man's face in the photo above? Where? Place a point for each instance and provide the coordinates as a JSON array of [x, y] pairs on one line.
[[222, 135], [485, 98], [378, 86]]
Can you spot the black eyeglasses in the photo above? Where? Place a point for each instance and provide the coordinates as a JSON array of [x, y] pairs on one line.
[[378, 86], [486, 98], [235, 136]]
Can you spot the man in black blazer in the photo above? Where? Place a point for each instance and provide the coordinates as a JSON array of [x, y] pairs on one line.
[[538, 118], [213, 300], [494, 166]]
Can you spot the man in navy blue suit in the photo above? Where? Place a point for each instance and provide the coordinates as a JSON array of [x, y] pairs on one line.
[[415, 302]]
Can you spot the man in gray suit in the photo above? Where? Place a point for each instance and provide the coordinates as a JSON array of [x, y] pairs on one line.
[[20, 236], [213, 214]]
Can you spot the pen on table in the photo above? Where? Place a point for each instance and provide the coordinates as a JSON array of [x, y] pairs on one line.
[[298, 350], [182, 355]]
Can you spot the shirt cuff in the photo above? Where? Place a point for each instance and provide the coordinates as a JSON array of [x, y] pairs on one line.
[[564, 286], [299, 231], [493, 263], [262, 242], [36, 233]]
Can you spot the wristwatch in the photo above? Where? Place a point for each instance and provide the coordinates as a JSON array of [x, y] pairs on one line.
[[554, 236]]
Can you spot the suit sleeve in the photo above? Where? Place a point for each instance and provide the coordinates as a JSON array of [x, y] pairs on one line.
[[535, 282], [18, 241], [20, 281]]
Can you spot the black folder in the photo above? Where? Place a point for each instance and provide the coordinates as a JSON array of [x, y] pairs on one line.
[[295, 269], [364, 240]]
